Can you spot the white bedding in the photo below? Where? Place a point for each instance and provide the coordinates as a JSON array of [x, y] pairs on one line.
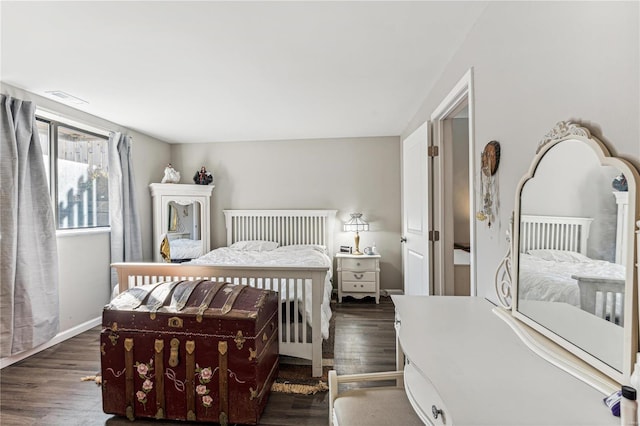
[[296, 255], [548, 280], [185, 248]]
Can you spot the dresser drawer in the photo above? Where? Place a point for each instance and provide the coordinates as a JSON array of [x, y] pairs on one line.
[[359, 264], [355, 286], [358, 276], [425, 398]]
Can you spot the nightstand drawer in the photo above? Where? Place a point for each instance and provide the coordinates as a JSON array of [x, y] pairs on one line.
[[359, 264], [358, 276], [356, 286]]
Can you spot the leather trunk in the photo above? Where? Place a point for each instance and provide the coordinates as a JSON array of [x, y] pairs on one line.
[[190, 350]]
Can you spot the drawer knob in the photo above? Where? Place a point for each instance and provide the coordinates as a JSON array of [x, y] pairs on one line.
[[358, 263], [436, 411]]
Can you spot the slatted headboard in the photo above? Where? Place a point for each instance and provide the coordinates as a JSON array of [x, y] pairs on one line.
[[554, 232], [288, 227]]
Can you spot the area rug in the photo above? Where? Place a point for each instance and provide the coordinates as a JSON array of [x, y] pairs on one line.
[[295, 375]]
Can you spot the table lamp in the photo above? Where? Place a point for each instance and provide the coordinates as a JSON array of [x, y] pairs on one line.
[[356, 224]]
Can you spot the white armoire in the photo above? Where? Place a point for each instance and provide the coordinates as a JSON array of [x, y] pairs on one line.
[[181, 211]]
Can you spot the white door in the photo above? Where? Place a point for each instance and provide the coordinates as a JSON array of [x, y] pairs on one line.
[[415, 216]]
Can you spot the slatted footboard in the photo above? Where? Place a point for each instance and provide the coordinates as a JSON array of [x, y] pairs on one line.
[[290, 282]]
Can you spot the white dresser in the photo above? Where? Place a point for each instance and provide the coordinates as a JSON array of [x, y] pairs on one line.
[[358, 275], [466, 366]]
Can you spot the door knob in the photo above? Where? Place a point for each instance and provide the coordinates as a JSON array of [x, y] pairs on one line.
[[436, 411], [403, 239]]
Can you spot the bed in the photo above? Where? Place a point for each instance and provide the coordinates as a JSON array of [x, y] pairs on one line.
[[554, 267], [299, 269]]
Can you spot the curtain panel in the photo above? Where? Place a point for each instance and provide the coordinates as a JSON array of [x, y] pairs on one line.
[[29, 301], [126, 236]]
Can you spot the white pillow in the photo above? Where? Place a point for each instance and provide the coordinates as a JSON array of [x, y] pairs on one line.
[[254, 245], [560, 255]]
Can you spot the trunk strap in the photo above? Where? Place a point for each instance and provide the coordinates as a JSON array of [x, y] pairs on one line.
[[190, 349], [231, 298], [159, 366], [129, 390], [224, 383], [208, 298]]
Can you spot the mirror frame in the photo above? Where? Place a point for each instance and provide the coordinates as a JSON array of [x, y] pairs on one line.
[[564, 131]]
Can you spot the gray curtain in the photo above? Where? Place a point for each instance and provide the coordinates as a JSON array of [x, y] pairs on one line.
[[29, 305], [126, 237]]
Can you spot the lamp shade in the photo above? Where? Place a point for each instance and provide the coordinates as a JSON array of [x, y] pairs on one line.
[[356, 224]]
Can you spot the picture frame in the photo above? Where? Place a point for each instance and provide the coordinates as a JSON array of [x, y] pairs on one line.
[[345, 249]]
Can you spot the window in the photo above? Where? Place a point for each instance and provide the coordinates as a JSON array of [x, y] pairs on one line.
[[78, 173]]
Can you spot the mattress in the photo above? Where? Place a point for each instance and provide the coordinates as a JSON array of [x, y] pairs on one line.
[[550, 280], [294, 255], [184, 248]]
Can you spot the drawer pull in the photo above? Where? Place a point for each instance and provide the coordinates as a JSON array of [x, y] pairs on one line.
[[358, 276], [436, 411]]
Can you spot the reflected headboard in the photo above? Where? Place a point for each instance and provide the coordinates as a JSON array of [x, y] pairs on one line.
[[287, 227], [554, 233]]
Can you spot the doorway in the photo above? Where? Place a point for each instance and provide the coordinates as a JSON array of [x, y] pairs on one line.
[[453, 201]]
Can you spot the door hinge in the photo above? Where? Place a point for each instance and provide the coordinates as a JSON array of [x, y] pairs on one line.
[[433, 151], [434, 235]]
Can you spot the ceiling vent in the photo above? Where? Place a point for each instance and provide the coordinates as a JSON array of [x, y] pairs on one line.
[[65, 97]]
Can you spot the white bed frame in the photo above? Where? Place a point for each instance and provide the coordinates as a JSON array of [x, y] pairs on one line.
[[571, 234], [288, 227]]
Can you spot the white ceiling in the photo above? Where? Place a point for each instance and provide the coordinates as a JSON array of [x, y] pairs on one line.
[[227, 71]]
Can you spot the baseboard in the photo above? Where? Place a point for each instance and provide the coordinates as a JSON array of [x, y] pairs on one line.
[[60, 337], [383, 292]]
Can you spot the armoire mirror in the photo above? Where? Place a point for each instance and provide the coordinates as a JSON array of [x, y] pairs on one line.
[[183, 220], [573, 250]]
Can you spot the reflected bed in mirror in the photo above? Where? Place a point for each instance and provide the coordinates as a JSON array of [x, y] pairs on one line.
[[183, 232], [574, 270]]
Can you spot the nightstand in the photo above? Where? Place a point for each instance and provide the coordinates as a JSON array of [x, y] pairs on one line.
[[358, 275]]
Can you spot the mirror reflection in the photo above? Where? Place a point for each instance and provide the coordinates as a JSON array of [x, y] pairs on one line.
[[571, 275], [183, 231]]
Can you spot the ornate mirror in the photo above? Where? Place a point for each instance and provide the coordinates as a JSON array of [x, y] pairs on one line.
[[573, 252]]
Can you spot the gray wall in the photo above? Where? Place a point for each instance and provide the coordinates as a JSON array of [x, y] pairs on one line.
[[349, 175], [535, 64]]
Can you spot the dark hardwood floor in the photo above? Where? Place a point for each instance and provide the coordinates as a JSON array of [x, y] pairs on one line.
[[45, 389]]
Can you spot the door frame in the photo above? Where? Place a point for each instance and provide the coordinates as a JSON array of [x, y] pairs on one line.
[[462, 92]]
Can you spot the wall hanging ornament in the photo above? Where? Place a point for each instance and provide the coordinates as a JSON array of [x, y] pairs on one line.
[[489, 161]]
